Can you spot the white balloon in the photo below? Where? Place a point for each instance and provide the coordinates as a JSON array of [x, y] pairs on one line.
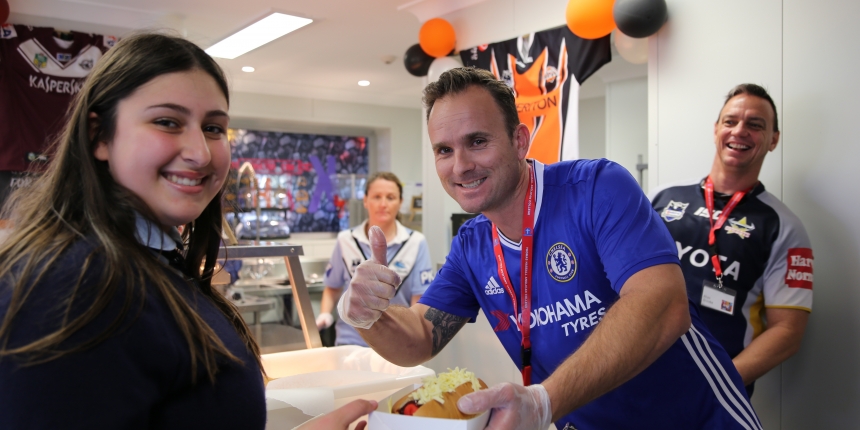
[[631, 49], [441, 65]]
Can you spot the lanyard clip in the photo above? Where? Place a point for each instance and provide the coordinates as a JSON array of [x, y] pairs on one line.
[[526, 355]]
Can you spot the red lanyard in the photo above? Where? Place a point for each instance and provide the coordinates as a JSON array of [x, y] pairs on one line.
[[525, 273], [712, 237]]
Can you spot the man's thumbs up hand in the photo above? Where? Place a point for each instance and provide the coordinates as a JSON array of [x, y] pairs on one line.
[[378, 246], [372, 287]]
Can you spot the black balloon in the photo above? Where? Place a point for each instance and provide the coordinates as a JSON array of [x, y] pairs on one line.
[[640, 18], [417, 61]]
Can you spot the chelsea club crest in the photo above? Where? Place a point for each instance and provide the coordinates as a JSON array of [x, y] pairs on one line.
[[674, 211], [560, 262]]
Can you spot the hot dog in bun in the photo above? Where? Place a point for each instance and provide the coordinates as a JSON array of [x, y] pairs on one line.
[[437, 397]]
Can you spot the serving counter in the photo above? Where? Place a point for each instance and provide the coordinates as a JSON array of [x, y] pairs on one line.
[[285, 336]]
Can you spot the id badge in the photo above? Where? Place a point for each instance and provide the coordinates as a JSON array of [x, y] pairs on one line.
[[718, 298]]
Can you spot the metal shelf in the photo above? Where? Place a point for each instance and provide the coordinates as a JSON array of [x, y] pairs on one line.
[[291, 255], [262, 209]]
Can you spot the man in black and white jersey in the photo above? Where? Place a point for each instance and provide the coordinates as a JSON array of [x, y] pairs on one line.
[[746, 257]]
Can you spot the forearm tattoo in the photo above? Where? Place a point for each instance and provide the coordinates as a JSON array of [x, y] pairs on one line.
[[445, 326]]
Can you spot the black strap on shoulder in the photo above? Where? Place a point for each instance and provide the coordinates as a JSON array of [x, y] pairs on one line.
[[359, 248]]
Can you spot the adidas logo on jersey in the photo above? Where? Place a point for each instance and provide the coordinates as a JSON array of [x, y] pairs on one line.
[[492, 287]]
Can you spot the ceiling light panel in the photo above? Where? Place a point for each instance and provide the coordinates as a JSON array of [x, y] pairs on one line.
[[256, 35]]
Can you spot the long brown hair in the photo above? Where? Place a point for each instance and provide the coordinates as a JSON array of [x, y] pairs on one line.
[[77, 199]]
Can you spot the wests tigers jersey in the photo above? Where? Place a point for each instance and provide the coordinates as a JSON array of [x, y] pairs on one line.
[[39, 76], [545, 70]]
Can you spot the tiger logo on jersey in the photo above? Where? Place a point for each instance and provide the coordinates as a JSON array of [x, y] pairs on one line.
[[551, 74], [560, 262]]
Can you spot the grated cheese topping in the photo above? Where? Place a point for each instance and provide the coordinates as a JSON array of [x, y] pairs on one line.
[[435, 386]]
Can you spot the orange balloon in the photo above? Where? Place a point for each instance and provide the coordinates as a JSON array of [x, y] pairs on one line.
[[590, 19], [437, 37]]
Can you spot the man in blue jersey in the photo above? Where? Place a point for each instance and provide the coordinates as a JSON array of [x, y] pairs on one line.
[[573, 267], [757, 298]]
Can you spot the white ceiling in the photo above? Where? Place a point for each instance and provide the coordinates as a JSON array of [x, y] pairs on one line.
[[349, 40]]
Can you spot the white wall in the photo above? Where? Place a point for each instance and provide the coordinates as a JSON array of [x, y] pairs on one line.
[[804, 53], [627, 124], [821, 386], [592, 127], [496, 20], [704, 50]]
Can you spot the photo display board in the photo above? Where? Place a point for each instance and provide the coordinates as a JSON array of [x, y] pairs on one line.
[[308, 178]]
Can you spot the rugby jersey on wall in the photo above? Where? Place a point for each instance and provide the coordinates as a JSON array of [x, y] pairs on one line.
[[545, 70], [39, 76]]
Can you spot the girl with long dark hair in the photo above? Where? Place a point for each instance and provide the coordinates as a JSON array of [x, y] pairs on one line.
[[107, 314]]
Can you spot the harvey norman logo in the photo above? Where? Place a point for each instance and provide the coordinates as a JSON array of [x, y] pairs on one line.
[[492, 288], [799, 270]]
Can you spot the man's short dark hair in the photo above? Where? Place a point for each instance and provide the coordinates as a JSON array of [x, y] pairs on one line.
[[457, 80], [753, 90]]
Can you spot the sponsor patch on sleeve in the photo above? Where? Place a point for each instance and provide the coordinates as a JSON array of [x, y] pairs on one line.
[[427, 276], [798, 272]]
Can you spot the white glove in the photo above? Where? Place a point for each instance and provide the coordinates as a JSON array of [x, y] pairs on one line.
[[514, 407], [371, 288], [324, 321]]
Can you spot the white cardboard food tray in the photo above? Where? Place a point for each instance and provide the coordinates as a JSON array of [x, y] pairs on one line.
[[351, 372], [347, 372], [380, 419]]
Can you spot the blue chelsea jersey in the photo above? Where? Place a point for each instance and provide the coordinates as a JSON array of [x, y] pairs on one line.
[[594, 229]]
